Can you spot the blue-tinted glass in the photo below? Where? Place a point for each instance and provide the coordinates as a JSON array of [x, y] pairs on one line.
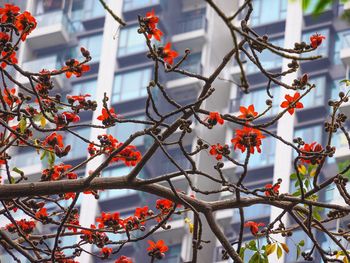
[[337, 47], [322, 49], [130, 42], [88, 87], [295, 239], [76, 143], [131, 85], [310, 134], [268, 59], [122, 131], [93, 44], [190, 21], [268, 11], [316, 96], [135, 4]]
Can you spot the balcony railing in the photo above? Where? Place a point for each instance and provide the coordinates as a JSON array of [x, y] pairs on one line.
[[191, 23], [130, 5], [36, 65], [54, 18]]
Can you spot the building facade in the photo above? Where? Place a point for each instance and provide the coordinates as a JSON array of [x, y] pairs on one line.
[[120, 68]]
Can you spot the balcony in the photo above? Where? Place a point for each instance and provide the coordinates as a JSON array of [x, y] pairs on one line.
[[132, 5], [345, 49], [36, 65], [54, 29], [190, 31]]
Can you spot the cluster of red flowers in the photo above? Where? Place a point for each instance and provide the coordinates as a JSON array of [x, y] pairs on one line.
[[107, 117], [219, 150], [74, 67], [55, 142], [42, 214], [310, 150], [58, 172], [65, 118], [248, 138], [109, 220], [27, 226], [150, 23], [292, 103], [272, 189], [316, 40], [123, 259], [157, 249], [214, 118], [94, 237], [129, 155], [10, 97]]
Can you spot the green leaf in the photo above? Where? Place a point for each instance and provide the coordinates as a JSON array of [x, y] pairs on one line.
[[43, 155], [279, 252], [51, 159], [321, 6], [301, 243], [255, 258], [23, 124], [306, 4], [293, 176], [346, 82], [241, 253], [16, 170], [316, 215], [12, 180], [298, 252], [297, 193]]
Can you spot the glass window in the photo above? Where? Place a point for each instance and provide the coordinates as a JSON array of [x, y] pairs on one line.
[[131, 84], [316, 96], [268, 59], [310, 134], [77, 144], [93, 44], [116, 172], [135, 4], [86, 9], [122, 131], [268, 11], [265, 158], [322, 50], [190, 21], [87, 87], [258, 99], [130, 42]]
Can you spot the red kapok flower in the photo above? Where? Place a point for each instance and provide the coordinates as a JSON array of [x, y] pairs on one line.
[[10, 97], [292, 102], [270, 188], [247, 113], [158, 247], [8, 58], [214, 118], [167, 54], [106, 252], [54, 139], [316, 40], [105, 116], [123, 259], [219, 150], [141, 212], [27, 226], [8, 13], [42, 214], [78, 98], [4, 37], [68, 196], [73, 68], [26, 23], [254, 227], [109, 220], [151, 19], [311, 149], [248, 138]]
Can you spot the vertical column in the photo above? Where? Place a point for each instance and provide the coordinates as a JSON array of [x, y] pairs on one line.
[[89, 206], [285, 126]]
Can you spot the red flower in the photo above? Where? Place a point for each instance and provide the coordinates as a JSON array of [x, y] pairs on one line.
[[106, 117], [151, 21], [10, 97], [4, 37], [158, 247], [214, 118], [73, 68], [57, 172], [73, 220], [8, 58], [106, 252], [129, 155], [78, 98], [141, 213], [165, 206], [167, 54], [54, 139], [292, 102], [311, 149], [65, 118], [247, 113], [248, 138], [270, 188], [8, 13], [26, 226], [254, 227], [42, 214], [316, 40], [219, 150], [68, 196], [123, 259], [109, 220], [26, 23]]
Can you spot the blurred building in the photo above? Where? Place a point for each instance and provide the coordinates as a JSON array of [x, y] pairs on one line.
[[120, 68]]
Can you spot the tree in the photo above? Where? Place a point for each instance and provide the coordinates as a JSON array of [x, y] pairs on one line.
[[41, 127]]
